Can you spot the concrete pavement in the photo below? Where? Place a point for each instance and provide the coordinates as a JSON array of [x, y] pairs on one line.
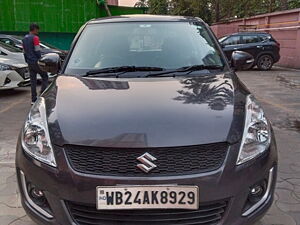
[[279, 92]]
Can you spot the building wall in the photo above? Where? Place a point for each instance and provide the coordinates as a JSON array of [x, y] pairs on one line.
[[284, 27], [113, 2]]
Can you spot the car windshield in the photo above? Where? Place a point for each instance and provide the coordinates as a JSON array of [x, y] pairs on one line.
[[47, 45], [42, 43], [10, 48], [167, 45]]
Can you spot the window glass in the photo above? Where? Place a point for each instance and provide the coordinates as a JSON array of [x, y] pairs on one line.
[[7, 41], [251, 39], [9, 47], [169, 45], [233, 40]]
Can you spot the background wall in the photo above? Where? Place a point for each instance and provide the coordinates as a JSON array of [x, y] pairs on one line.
[[59, 20], [284, 27]]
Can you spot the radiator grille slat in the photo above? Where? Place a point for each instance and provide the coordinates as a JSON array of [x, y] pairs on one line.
[[170, 161]]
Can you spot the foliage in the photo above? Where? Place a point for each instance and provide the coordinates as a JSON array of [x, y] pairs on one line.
[[217, 10], [142, 4], [159, 7], [293, 4], [191, 8]]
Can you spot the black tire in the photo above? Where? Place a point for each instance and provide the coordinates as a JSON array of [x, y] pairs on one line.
[[265, 62]]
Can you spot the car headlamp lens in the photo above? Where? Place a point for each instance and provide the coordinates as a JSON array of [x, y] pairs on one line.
[[36, 140], [257, 132], [4, 67]]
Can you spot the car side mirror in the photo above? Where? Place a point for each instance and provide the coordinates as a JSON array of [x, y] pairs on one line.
[[50, 62], [19, 46], [241, 60]]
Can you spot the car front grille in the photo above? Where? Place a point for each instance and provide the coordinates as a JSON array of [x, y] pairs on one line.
[[24, 72], [171, 161], [207, 214]]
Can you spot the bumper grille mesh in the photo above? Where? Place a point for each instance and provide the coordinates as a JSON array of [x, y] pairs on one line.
[[24, 72], [170, 161], [208, 214]]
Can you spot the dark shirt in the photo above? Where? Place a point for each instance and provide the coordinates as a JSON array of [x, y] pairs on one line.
[[31, 47]]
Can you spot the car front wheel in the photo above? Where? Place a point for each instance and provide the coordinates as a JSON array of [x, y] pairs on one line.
[[265, 62]]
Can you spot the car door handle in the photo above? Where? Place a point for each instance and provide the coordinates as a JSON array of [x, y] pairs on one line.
[[259, 46], [235, 48]]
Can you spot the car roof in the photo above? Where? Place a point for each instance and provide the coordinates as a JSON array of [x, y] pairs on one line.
[[15, 37], [250, 33], [5, 35], [144, 18]]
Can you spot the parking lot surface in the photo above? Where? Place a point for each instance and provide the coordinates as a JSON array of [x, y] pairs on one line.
[[279, 92]]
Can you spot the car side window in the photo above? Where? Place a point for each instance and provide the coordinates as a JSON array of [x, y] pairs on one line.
[[264, 37], [233, 40], [246, 39], [7, 41]]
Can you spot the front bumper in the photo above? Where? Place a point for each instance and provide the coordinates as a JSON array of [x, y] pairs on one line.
[[230, 183], [14, 79], [25, 83], [276, 57]]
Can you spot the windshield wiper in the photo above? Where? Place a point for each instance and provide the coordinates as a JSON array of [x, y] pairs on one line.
[[188, 69], [122, 69]]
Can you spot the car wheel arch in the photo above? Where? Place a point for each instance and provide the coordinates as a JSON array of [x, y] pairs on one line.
[[264, 54]]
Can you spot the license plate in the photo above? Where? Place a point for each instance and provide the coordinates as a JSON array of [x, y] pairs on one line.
[[148, 197]]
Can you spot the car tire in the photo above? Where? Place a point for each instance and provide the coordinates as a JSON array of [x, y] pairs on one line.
[[265, 62]]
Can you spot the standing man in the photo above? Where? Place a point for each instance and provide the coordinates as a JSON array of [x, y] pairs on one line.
[[32, 53]]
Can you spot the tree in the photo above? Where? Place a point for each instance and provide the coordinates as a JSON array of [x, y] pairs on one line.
[[142, 4], [180, 7], [104, 3], [213, 11], [217, 10], [284, 4], [293, 4], [159, 7], [194, 8]]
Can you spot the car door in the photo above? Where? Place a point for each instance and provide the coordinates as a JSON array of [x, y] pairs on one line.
[[231, 44], [253, 44]]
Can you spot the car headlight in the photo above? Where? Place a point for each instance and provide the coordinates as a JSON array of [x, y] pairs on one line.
[[4, 67], [36, 139], [257, 132]]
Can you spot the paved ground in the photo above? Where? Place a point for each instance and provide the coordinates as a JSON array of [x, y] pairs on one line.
[[278, 90]]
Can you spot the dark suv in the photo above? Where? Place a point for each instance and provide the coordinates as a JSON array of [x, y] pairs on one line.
[[262, 46], [146, 124]]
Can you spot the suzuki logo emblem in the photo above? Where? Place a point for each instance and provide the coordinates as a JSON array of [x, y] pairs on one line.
[[146, 162]]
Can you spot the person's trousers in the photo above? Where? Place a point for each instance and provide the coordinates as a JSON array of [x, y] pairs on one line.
[[34, 69]]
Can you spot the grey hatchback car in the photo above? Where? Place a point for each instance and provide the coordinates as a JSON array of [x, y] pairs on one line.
[[146, 124]]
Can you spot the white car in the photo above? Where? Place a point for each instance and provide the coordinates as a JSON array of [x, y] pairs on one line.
[[13, 68]]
